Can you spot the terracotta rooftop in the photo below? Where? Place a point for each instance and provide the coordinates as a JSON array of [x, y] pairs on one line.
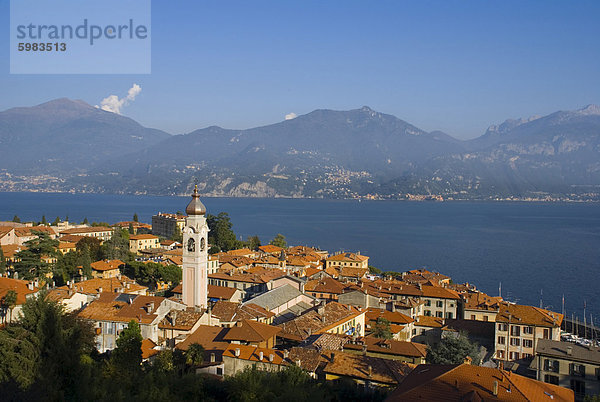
[[373, 369], [9, 250], [349, 257], [353, 272], [142, 237], [388, 346], [93, 286], [121, 307], [373, 314], [28, 231], [183, 320], [433, 322], [91, 229], [313, 322], [481, 301], [251, 331], [325, 285], [435, 291], [19, 286], [307, 359], [474, 383], [211, 338], [270, 249], [148, 348], [528, 315], [216, 292], [251, 353], [233, 312], [107, 265]]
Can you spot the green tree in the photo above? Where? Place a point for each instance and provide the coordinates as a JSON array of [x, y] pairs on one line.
[[51, 347], [135, 217], [2, 263], [44, 222], [56, 221], [374, 271], [381, 329], [9, 301], [253, 242], [130, 228], [279, 241], [453, 350], [30, 264], [85, 221], [221, 234], [117, 248], [127, 357], [92, 245], [16, 219], [194, 356]]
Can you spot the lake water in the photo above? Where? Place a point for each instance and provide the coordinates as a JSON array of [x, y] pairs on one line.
[[529, 247]]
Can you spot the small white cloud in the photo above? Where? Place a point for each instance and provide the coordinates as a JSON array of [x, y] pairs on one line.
[[113, 104], [291, 116]]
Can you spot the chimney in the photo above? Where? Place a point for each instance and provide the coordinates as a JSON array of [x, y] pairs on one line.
[[271, 357], [212, 357], [100, 289], [364, 349], [495, 391], [569, 350], [286, 354], [237, 352], [370, 371], [260, 356], [298, 362], [30, 286]]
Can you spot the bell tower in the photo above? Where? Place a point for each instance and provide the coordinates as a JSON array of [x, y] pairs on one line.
[[195, 254]]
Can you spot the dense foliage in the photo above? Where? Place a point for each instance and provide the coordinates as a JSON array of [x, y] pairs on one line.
[[50, 355], [453, 349]]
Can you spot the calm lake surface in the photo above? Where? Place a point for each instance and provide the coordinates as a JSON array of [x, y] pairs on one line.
[[531, 248]]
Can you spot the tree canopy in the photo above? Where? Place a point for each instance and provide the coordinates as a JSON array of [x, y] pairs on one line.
[[279, 241], [29, 264], [453, 349], [382, 329]]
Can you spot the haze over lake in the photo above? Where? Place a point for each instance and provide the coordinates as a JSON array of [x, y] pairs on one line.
[[529, 247]]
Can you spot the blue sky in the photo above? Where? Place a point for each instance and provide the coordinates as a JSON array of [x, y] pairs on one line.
[[457, 66]]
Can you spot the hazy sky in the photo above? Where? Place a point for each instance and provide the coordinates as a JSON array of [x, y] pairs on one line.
[[456, 66]]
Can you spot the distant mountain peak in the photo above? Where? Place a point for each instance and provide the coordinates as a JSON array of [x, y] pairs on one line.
[[509, 124], [589, 110], [366, 109]]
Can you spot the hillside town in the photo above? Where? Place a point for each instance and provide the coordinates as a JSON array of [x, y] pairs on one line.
[[409, 335]]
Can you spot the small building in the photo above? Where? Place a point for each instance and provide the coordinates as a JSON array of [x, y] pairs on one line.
[[325, 289], [237, 358], [355, 260], [284, 299], [110, 313], [408, 352], [479, 306], [568, 365], [101, 233], [366, 371], [518, 329], [254, 333], [229, 314], [23, 290], [140, 242], [401, 325], [107, 268]]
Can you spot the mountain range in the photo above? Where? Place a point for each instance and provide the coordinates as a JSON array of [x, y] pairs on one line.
[[68, 145]]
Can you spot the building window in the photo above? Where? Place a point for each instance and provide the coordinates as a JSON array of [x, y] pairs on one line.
[[449, 315], [527, 343], [428, 303], [598, 373], [427, 313], [502, 327], [439, 314], [439, 303], [514, 355], [577, 369], [515, 342], [551, 365], [515, 330], [485, 318], [528, 330], [500, 354], [551, 379], [501, 340], [473, 316]]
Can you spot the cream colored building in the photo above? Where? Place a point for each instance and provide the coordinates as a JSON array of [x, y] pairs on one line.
[[518, 329], [143, 242], [99, 232], [347, 260]]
